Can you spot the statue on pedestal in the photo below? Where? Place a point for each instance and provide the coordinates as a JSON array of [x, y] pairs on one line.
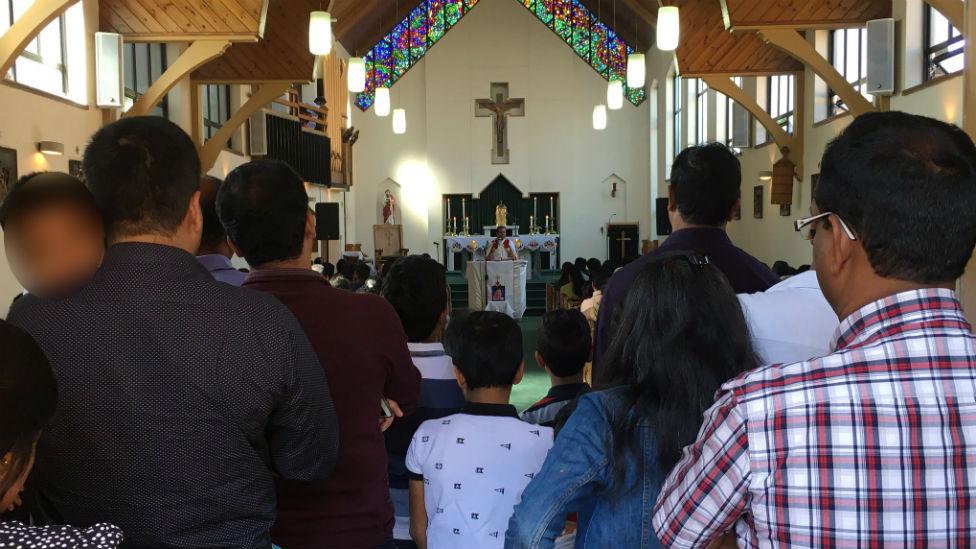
[[501, 214]]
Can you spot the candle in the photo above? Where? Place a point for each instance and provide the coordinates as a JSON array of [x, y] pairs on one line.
[[535, 207], [531, 223], [454, 219], [464, 209], [547, 221], [448, 202], [552, 206]]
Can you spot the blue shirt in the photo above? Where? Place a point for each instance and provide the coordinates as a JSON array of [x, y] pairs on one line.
[[221, 269]]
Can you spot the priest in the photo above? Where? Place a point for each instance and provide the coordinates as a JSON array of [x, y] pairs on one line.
[[501, 248]]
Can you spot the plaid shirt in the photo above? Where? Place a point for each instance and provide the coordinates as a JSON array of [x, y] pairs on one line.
[[871, 446]]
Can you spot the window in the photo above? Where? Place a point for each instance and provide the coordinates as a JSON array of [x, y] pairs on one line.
[[780, 98], [701, 111], [676, 116], [216, 108], [43, 64], [944, 45], [144, 63], [848, 54], [735, 111]]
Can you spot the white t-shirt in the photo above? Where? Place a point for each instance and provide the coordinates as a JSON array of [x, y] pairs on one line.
[[790, 322], [475, 465]]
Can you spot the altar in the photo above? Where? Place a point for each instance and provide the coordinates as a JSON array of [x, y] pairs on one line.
[[497, 286], [528, 247]]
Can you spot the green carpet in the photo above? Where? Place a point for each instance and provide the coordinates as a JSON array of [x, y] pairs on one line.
[[535, 383]]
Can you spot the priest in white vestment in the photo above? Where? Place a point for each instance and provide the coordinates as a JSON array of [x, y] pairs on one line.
[[501, 248]]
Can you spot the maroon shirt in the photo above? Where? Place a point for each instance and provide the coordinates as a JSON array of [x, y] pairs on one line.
[[362, 348]]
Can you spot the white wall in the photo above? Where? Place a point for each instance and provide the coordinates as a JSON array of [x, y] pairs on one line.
[[554, 148]]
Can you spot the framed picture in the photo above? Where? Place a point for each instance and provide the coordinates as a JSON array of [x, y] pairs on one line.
[[75, 169], [8, 170], [757, 202], [785, 210]]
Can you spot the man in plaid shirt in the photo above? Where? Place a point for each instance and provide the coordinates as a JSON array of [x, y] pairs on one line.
[[875, 444]]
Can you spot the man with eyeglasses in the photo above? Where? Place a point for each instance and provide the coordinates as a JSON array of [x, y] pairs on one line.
[[874, 443]]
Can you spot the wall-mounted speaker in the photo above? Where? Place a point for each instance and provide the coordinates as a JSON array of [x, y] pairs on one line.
[[881, 57], [327, 221], [663, 221], [258, 133], [108, 70]]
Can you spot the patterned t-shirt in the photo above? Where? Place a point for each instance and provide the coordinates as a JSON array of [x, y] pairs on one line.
[[475, 465], [100, 536]]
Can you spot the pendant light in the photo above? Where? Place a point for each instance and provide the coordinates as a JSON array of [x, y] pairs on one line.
[[600, 117], [636, 69], [615, 95], [668, 28], [399, 121], [320, 33], [357, 74], [382, 101]]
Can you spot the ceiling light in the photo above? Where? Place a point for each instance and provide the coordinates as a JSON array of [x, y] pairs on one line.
[[636, 70], [320, 33], [357, 74], [600, 117], [399, 121], [382, 101], [51, 147], [765, 176], [615, 95], [668, 28]]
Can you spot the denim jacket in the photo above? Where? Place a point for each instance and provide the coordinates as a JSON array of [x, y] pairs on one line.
[[575, 478]]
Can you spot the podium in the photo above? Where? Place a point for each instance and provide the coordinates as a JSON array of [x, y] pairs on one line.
[[497, 286]]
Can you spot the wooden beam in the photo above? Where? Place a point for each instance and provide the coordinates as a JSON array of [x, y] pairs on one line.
[[268, 92], [191, 37], [967, 284], [954, 10], [195, 56], [793, 43], [787, 143], [27, 27]]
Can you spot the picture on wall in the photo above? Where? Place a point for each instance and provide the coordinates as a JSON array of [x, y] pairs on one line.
[[757, 202], [8, 170], [75, 169], [785, 210]]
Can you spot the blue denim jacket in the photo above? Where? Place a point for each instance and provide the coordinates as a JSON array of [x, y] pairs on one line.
[[576, 476]]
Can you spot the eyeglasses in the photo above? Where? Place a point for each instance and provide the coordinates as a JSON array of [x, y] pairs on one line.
[[808, 223]]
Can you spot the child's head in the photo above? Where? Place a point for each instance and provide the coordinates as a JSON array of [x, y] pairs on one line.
[[486, 348], [565, 344], [416, 286], [53, 233], [28, 398]]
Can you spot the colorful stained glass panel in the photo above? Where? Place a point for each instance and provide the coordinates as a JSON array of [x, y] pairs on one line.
[[543, 10], [530, 4], [598, 46], [383, 63], [581, 31], [470, 3], [365, 99], [418, 32], [400, 43], [616, 56], [453, 10], [562, 19], [435, 16]]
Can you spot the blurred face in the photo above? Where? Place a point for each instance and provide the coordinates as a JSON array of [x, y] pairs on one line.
[[11, 500], [502, 232], [55, 249]]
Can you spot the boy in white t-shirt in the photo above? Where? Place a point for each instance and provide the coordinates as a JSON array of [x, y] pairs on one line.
[[468, 470]]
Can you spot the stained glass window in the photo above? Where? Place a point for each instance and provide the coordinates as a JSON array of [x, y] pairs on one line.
[[411, 38]]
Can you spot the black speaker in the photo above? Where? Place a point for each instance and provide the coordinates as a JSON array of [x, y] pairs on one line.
[[663, 222], [327, 221]]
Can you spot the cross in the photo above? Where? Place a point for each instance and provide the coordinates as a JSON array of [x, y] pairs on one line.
[[498, 107], [623, 240]]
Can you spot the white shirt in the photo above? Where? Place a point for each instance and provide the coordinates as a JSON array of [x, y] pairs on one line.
[[790, 322], [475, 468], [500, 253]]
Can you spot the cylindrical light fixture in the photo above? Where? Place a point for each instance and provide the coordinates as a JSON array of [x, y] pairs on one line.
[[765, 175], [52, 148], [382, 101], [615, 95], [357, 74], [320, 33], [668, 28], [399, 121], [600, 117], [636, 70]]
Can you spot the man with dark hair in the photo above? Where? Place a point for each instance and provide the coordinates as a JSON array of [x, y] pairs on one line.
[[328, 270], [564, 348], [474, 465], [264, 206], [703, 194], [416, 286], [874, 441], [182, 398], [52, 234], [215, 252]]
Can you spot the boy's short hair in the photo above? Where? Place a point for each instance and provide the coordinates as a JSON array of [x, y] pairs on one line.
[[417, 288], [600, 280], [43, 189], [565, 342], [486, 347]]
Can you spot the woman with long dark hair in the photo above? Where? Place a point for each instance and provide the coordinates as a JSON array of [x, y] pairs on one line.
[[571, 282], [681, 335], [28, 398]]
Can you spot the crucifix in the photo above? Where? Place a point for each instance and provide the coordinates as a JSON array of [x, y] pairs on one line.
[[499, 107], [623, 240]]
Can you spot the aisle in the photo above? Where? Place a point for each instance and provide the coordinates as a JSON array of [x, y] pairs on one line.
[[535, 384]]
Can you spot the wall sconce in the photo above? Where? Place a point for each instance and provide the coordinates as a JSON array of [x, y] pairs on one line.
[[52, 148], [765, 176]]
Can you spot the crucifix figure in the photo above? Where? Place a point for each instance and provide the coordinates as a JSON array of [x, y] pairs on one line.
[[623, 240], [499, 107]]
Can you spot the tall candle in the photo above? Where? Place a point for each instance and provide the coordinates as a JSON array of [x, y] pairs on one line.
[[454, 219], [535, 207], [547, 221], [531, 223], [464, 208], [552, 206], [448, 201]]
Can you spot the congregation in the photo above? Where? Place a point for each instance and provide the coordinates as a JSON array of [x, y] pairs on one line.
[[154, 396]]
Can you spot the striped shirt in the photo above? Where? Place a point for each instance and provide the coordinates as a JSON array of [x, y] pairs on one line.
[[871, 446]]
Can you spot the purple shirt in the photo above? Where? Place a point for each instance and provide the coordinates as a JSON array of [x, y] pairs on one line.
[[221, 269], [745, 273]]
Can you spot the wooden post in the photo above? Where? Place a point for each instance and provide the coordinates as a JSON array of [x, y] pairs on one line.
[[967, 284], [27, 27], [793, 43], [199, 53], [264, 95]]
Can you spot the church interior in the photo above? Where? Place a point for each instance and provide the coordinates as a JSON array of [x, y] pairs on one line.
[[525, 146]]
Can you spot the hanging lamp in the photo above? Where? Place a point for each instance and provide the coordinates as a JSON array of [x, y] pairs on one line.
[[600, 117], [320, 33], [668, 28], [615, 95], [399, 121]]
